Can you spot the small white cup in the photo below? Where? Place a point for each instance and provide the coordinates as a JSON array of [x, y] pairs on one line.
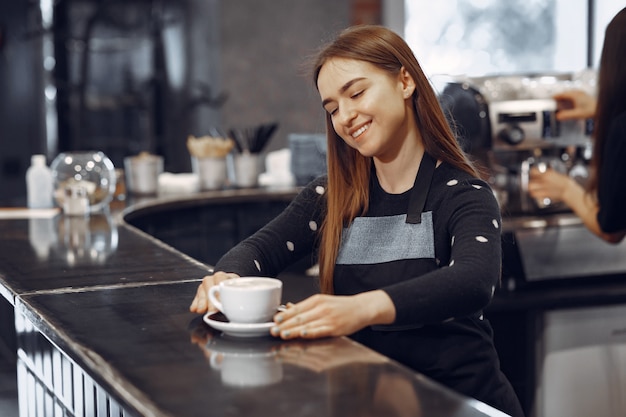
[[247, 299], [211, 172], [246, 170]]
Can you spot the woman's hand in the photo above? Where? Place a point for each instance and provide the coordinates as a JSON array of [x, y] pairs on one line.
[[548, 184], [331, 315], [575, 104], [200, 303]]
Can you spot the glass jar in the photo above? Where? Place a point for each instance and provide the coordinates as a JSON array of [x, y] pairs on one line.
[[91, 170]]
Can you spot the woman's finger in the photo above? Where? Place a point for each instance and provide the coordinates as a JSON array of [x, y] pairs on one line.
[[200, 303]]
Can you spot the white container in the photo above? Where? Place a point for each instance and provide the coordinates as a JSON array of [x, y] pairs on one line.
[[211, 172], [142, 173], [39, 183], [246, 170]]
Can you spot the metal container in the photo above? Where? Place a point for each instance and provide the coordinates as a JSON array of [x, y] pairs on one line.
[[142, 173]]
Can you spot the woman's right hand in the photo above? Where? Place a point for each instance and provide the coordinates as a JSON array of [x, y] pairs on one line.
[[200, 303], [575, 104]]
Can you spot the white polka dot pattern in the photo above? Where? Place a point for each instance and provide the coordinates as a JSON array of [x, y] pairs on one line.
[[452, 262], [290, 246], [258, 265], [452, 242], [452, 183], [320, 190], [478, 187], [313, 225], [495, 223], [482, 239]]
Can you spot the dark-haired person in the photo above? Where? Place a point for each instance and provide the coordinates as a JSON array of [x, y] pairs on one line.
[[601, 205], [406, 234]]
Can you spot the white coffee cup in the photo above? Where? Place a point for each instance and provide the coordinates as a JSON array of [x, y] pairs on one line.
[[247, 299]]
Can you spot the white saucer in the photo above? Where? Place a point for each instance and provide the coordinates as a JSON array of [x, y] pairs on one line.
[[219, 322]]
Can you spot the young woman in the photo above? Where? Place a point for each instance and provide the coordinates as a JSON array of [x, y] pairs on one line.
[[602, 205], [407, 236]]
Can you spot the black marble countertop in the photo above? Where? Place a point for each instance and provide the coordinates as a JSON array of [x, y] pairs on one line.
[[140, 344], [115, 300]]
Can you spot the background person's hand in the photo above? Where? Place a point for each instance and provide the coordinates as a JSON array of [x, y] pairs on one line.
[[200, 303], [575, 104], [548, 183]]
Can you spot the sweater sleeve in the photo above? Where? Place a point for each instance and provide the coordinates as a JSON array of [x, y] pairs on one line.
[[468, 228], [284, 240]]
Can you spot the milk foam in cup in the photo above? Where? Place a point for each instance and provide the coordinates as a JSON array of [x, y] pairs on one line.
[[247, 299]]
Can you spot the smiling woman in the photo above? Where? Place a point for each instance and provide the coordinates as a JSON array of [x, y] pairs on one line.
[[406, 234]]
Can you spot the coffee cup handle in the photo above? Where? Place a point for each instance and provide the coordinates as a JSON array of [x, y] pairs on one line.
[[213, 299]]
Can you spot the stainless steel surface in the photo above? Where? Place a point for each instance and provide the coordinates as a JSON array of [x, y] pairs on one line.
[[556, 247], [523, 123]]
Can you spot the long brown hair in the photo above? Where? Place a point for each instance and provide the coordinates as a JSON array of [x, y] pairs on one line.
[[348, 171], [611, 90]]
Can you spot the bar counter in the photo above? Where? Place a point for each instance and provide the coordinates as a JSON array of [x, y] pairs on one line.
[[102, 327]]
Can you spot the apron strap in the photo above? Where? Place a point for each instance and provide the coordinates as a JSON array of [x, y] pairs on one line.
[[420, 189]]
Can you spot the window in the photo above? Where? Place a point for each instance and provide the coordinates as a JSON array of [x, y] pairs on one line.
[[482, 37]]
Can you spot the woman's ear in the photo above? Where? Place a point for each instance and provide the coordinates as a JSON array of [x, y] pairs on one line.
[[408, 83]]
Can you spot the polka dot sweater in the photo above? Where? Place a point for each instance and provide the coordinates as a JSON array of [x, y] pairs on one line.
[[439, 273], [457, 278]]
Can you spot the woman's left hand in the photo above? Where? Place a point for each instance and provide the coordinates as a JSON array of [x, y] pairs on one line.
[[547, 184], [331, 315]]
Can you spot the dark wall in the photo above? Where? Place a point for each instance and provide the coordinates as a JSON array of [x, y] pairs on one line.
[[255, 51], [265, 46], [134, 75], [21, 98]]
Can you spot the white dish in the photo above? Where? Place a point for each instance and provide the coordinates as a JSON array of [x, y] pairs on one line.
[[219, 322]]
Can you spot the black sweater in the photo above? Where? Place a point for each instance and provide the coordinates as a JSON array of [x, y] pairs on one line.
[[439, 273]]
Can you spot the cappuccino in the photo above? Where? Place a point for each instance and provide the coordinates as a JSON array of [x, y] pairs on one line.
[[247, 299]]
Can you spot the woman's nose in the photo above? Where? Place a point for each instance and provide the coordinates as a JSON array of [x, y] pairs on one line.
[[347, 115]]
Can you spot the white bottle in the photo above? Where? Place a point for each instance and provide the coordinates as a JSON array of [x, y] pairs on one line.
[[39, 183]]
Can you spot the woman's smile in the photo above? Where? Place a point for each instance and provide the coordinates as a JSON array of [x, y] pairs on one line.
[[360, 130]]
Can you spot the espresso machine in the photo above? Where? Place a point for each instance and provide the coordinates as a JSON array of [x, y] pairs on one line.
[[508, 124]]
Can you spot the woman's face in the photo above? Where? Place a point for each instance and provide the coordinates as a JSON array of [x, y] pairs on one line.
[[370, 109]]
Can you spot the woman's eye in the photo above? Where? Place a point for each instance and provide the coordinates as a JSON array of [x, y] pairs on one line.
[[332, 112], [357, 94]]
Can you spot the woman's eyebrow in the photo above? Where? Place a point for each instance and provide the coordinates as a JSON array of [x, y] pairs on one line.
[[343, 89]]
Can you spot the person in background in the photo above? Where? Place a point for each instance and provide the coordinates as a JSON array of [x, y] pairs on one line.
[[407, 236], [602, 203]]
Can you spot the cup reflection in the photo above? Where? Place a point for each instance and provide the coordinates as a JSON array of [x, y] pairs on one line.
[[241, 362]]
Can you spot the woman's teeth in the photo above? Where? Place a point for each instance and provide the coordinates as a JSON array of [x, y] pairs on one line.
[[360, 131]]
